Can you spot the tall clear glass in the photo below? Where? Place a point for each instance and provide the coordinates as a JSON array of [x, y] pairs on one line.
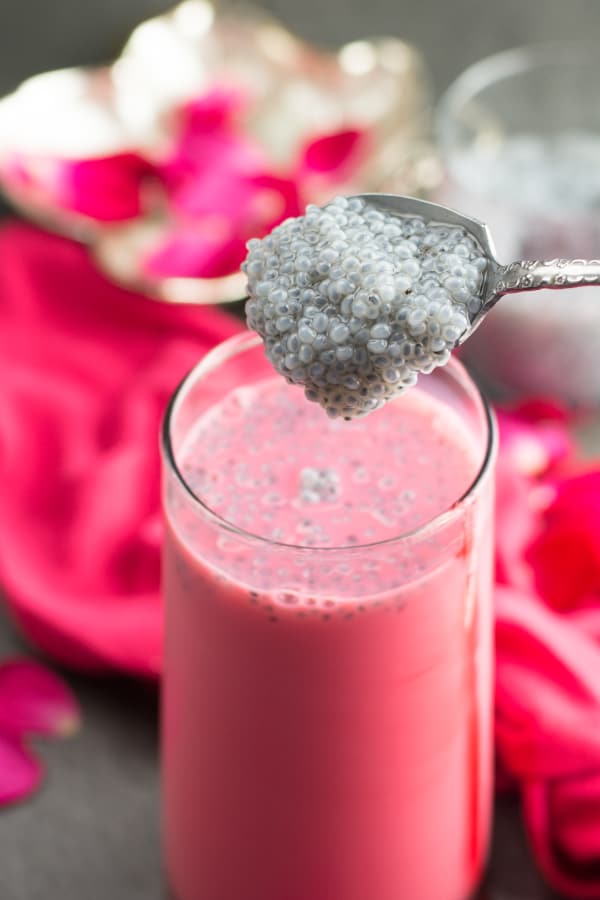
[[519, 137], [326, 708]]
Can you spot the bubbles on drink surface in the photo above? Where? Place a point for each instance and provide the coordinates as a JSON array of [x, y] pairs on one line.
[[319, 485], [336, 485], [354, 303]]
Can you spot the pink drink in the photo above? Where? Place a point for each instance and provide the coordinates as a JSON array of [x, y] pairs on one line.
[[327, 705]]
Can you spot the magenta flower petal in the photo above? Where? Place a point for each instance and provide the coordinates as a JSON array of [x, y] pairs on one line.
[[334, 154], [219, 211], [20, 772], [205, 156], [187, 253], [218, 109], [273, 200], [108, 189], [214, 190], [533, 445], [517, 523], [33, 700], [212, 146], [565, 557]]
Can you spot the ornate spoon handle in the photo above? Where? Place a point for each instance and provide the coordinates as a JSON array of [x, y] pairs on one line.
[[535, 274]]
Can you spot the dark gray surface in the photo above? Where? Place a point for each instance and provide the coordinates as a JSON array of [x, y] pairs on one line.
[[36, 35], [451, 33], [92, 833]]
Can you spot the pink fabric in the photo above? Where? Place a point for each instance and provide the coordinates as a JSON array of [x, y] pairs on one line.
[[548, 644], [86, 370]]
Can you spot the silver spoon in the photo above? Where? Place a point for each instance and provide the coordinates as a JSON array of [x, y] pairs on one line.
[[522, 275]]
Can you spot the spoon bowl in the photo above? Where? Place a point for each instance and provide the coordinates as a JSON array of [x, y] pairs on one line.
[[521, 275], [354, 306]]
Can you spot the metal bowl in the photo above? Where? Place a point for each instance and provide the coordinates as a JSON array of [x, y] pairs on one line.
[[297, 92]]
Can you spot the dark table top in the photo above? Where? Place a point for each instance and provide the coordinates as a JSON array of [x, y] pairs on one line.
[[92, 832]]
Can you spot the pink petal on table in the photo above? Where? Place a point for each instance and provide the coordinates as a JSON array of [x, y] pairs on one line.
[[335, 153], [20, 772], [33, 700]]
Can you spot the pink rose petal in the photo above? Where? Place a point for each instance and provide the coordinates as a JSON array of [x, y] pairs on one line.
[[517, 523], [108, 189], [561, 818], [535, 446], [534, 438], [335, 153], [218, 109], [211, 143], [20, 772], [217, 190], [542, 409], [272, 200], [565, 557], [219, 211], [35, 701], [548, 732], [187, 253], [547, 690], [211, 154]]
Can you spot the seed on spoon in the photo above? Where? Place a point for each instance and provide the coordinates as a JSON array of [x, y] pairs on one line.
[[353, 302]]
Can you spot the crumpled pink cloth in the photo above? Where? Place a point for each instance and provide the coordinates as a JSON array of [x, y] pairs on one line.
[[548, 642], [548, 732], [86, 370]]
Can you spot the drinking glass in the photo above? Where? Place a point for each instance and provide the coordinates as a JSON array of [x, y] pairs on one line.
[[519, 138], [326, 709]]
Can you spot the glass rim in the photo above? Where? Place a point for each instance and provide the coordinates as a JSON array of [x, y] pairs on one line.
[[248, 340], [497, 66]]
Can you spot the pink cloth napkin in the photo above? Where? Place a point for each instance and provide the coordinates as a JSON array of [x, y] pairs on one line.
[[86, 370]]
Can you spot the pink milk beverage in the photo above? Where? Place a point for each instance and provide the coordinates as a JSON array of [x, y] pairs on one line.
[[328, 671]]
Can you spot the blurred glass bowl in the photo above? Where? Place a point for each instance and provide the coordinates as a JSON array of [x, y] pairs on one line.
[[116, 128]]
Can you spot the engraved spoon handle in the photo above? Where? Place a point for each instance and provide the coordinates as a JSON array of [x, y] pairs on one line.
[[535, 274], [532, 275]]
